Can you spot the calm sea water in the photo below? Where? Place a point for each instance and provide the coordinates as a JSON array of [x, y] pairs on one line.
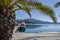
[[43, 28]]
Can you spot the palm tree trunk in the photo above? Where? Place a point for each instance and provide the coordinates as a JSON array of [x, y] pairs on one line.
[[7, 23]]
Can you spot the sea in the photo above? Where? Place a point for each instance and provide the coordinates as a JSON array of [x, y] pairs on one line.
[[42, 28]]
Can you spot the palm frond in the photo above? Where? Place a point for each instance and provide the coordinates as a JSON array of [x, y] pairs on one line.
[[5, 3], [52, 16], [48, 11], [22, 1], [57, 4], [28, 11], [36, 5], [1, 2], [25, 9], [16, 2]]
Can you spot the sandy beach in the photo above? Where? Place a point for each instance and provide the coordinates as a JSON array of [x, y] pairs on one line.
[[36, 36]]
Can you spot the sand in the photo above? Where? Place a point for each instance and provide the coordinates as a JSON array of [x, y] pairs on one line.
[[36, 36]]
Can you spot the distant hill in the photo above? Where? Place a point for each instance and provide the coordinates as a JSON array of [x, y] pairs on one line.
[[33, 21]]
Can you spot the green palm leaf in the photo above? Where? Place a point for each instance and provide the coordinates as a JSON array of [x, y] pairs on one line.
[[25, 9], [45, 9], [28, 11], [5, 3], [48, 11], [57, 4], [27, 5]]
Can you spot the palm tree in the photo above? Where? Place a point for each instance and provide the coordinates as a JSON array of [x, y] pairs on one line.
[[7, 14]]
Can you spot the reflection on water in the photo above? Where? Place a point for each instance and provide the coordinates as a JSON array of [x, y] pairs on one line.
[[43, 28], [33, 26]]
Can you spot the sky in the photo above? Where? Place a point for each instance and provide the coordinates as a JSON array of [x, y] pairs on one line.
[[37, 14]]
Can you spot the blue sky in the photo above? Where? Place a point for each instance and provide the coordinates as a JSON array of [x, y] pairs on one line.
[[38, 15]]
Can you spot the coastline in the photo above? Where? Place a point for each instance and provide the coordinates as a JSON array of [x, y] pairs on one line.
[[38, 36]]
